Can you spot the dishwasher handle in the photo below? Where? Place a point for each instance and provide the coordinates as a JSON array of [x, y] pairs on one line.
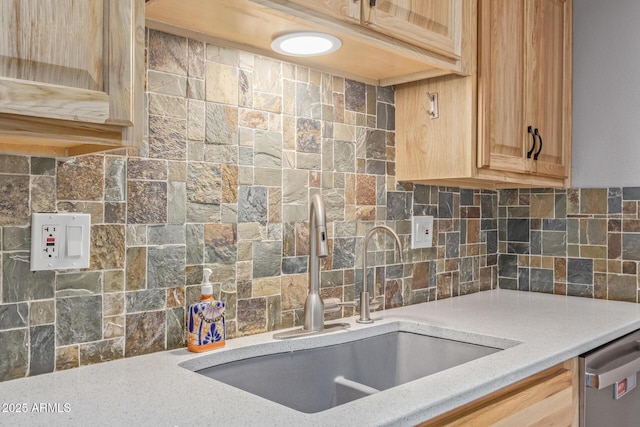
[[600, 380]]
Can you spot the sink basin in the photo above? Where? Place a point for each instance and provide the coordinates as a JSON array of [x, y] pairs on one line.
[[316, 379]]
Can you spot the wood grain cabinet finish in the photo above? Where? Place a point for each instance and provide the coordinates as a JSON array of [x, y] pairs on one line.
[[392, 42], [545, 399], [430, 24], [71, 75], [525, 86], [507, 125]]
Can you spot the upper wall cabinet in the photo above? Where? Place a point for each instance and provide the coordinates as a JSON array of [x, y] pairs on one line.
[[71, 76], [509, 123], [383, 42], [430, 24]]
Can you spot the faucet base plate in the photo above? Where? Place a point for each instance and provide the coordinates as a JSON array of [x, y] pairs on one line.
[[295, 333]]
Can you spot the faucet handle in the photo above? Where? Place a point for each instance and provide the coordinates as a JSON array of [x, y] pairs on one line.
[[376, 303], [332, 305]]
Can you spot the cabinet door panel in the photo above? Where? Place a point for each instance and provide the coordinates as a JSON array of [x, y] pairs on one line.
[[432, 24], [545, 74], [53, 42], [502, 141], [348, 10]]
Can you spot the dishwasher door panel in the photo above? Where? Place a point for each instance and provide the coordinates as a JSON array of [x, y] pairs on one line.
[[609, 395]]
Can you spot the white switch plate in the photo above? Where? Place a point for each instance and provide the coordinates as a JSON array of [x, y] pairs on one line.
[[60, 241], [421, 232]]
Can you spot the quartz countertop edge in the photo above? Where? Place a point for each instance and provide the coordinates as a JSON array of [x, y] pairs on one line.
[[539, 331]]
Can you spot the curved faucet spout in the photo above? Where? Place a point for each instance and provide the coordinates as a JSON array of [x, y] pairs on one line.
[[318, 248], [365, 310]]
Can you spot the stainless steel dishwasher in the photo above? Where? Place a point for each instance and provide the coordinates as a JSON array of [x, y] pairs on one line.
[[608, 378]]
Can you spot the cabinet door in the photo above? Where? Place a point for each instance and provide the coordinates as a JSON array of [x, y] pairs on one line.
[[502, 144], [69, 60], [435, 25], [524, 83], [549, 86], [347, 10]]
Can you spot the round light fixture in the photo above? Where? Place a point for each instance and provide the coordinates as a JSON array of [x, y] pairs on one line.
[[306, 43]]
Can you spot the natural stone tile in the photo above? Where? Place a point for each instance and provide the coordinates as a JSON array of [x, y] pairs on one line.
[[267, 102], [81, 178], [354, 93], [42, 312], [365, 190], [146, 202], [631, 193], [593, 201], [167, 84], [543, 206], [166, 105], [20, 284], [268, 150], [14, 200], [375, 141], [580, 271], [308, 135], [43, 190], [39, 165], [264, 255], [173, 234], [541, 280], [165, 266], [102, 351], [136, 268], [398, 206], [67, 357], [115, 213], [175, 328], [252, 316], [113, 304], [253, 119], [221, 124], [263, 287], [42, 349], [204, 183], [151, 169], [622, 287], [176, 297], [107, 247], [195, 243], [145, 333], [386, 116], [14, 164], [615, 201], [14, 316], [78, 319], [16, 238], [252, 204], [167, 137], [221, 83], [145, 300], [220, 243], [631, 246], [167, 53], [15, 358], [78, 284]]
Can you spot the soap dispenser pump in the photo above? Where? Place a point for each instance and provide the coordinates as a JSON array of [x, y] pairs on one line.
[[206, 328]]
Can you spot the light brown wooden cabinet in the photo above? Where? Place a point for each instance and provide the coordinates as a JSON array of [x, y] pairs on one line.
[[547, 398], [71, 76], [389, 43], [507, 125], [430, 24]]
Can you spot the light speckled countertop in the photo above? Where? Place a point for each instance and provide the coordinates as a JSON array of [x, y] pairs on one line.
[[155, 390]]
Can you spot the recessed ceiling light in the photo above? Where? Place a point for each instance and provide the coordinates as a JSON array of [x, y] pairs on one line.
[[305, 43]]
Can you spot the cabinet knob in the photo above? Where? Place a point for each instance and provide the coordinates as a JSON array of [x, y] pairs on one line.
[[536, 133], [533, 137]]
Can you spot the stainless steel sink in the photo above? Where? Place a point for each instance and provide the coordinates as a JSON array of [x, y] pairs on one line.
[[316, 379]]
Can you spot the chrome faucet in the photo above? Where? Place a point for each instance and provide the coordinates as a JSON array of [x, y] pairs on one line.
[[318, 248], [314, 305], [365, 309]]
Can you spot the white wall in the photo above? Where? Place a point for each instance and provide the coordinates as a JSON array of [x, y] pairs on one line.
[[606, 93]]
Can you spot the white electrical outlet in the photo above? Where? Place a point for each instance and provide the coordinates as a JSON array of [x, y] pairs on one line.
[[60, 241], [421, 232]]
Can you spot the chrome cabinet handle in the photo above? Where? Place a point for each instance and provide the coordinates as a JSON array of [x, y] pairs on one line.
[[533, 146], [536, 133]]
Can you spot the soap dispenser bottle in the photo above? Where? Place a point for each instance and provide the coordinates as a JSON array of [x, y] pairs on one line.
[[206, 329]]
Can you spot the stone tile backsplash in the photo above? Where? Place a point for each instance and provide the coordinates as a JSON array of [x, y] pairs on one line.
[[581, 242], [235, 146]]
